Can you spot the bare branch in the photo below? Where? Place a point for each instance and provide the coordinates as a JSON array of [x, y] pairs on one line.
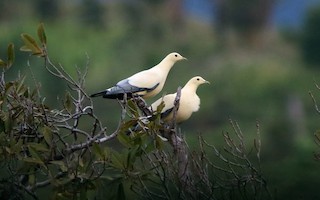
[[314, 102]]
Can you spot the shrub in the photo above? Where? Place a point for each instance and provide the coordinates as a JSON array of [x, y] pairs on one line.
[[69, 152]]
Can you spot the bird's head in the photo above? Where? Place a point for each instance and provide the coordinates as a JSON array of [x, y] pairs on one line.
[[194, 83], [174, 57], [198, 80]]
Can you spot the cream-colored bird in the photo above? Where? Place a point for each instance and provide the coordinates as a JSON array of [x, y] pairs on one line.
[[189, 101], [146, 84]]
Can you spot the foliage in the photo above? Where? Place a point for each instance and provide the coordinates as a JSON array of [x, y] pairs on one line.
[[47, 9], [35, 140], [317, 134], [43, 147], [246, 18], [310, 43]]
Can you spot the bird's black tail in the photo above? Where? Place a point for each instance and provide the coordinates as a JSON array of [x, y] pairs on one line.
[[98, 94]]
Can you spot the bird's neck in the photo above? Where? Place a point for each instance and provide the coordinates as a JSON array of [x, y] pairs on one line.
[[165, 65], [190, 88]]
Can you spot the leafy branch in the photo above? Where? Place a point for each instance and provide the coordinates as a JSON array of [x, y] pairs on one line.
[[42, 146]]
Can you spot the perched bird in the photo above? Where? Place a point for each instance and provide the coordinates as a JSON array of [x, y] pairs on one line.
[[189, 101], [146, 84]]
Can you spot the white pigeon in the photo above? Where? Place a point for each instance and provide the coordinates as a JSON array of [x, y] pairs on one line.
[[189, 101], [146, 83]]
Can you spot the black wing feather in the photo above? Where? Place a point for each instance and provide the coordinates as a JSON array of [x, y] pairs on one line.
[[166, 113]]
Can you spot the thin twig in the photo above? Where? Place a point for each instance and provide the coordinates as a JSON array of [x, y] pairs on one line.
[[314, 102]]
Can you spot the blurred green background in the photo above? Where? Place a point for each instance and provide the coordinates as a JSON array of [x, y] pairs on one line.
[[261, 56]]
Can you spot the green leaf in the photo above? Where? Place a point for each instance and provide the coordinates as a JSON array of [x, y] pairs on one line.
[[150, 147], [83, 193], [124, 139], [98, 151], [30, 45], [120, 193], [117, 160], [138, 139], [26, 92], [68, 102], [38, 147], [47, 134], [80, 162], [18, 146], [8, 85], [61, 165], [2, 137], [127, 125], [160, 107], [90, 185], [32, 179], [8, 123], [42, 34], [133, 108], [8, 150], [35, 155], [131, 157], [32, 160], [21, 87], [2, 63], [10, 55]]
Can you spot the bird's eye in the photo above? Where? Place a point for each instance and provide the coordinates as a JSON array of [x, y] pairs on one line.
[[198, 79], [176, 55]]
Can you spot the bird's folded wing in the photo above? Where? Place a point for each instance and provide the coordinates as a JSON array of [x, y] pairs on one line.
[[141, 83], [168, 104], [125, 86], [145, 79], [118, 91]]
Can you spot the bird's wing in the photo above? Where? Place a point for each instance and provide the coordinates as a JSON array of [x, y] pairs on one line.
[[140, 83], [145, 79], [168, 104], [124, 86]]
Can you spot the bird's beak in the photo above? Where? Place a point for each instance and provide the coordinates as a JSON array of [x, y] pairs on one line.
[[183, 58], [207, 82]]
